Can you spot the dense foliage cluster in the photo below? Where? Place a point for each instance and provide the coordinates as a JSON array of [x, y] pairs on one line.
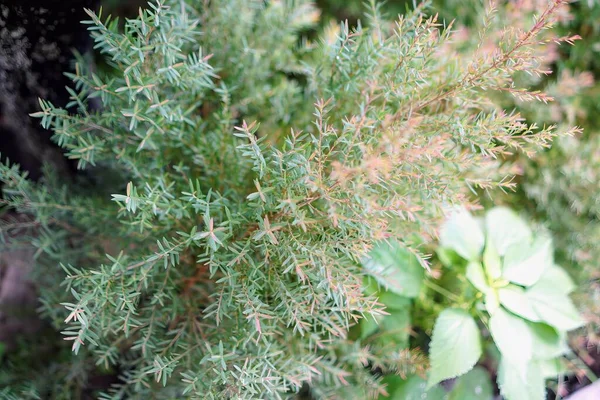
[[242, 180], [524, 293]]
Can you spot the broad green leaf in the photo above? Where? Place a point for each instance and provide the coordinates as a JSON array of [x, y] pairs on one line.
[[455, 345], [370, 286], [395, 268], [369, 325], [554, 307], [491, 261], [393, 301], [399, 308], [555, 276], [505, 228], [524, 263], [448, 257], [551, 369], [395, 328], [413, 388], [516, 386], [392, 383], [389, 299], [547, 342], [476, 276], [474, 385], [463, 234], [514, 299], [513, 338]]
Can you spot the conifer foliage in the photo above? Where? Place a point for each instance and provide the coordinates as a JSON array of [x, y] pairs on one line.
[[241, 174]]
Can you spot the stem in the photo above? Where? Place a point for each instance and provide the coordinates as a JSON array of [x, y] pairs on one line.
[[558, 386], [441, 290]]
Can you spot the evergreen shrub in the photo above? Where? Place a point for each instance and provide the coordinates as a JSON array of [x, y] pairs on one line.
[[239, 171]]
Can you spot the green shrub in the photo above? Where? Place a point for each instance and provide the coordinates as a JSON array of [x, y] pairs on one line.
[[241, 175], [500, 297], [527, 311]]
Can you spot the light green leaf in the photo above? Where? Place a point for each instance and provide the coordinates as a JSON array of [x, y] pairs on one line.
[[481, 223], [455, 345], [413, 388], [463, 234], [555, 276], [554, 307], [491, 261], [395, 268], [505, 228], [476, 276], [547, 342], [524, 263], [515, 300], [516, 386], [492, 303], [474, 385], [513, 338], [551, 369]]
